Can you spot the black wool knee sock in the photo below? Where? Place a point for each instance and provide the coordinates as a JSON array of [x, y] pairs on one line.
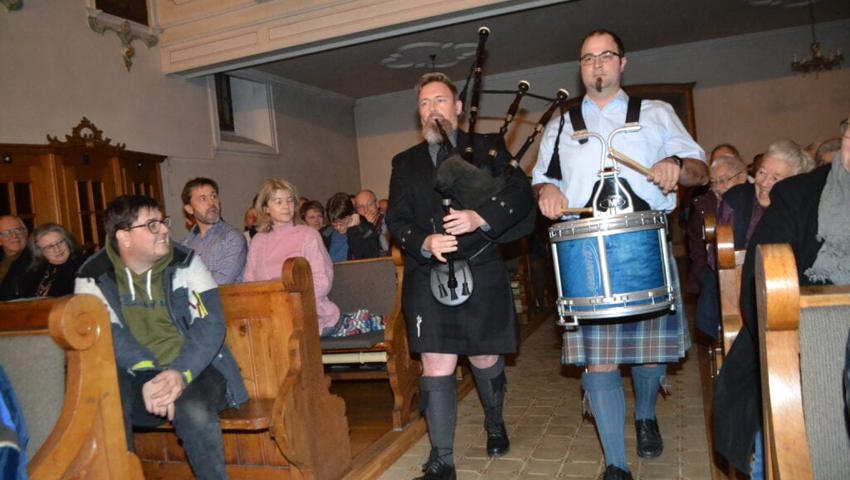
[[439, 404], [491, 382]]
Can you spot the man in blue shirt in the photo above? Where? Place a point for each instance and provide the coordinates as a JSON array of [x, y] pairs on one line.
[[222, 247], [665, 147]]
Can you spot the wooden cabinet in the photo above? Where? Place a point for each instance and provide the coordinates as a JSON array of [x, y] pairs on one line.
[[71, 181]]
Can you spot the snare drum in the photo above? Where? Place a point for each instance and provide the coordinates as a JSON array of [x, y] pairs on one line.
[[611, 267]]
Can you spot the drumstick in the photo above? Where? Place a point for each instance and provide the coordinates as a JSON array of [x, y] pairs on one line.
[[630, 162], [576, 211], [623, 158]]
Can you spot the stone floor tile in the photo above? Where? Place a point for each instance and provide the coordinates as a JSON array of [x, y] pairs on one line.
[[542, 467], [581, 469]]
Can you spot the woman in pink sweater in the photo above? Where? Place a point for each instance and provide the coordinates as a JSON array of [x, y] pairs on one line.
[[279, 237]]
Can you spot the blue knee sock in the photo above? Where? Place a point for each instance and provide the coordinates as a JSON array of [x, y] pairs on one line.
[[646, 381], [605, 391]]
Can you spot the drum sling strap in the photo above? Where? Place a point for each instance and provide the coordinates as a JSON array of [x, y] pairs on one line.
[[578, 124], [577, 120]]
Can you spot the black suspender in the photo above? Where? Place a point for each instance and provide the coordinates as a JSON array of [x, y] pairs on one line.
[[577, 120]]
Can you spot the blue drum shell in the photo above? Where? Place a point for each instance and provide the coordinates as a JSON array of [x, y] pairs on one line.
[[634, 264]]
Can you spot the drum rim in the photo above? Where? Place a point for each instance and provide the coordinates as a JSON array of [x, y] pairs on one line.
[[590, 227], [615, 312], [618, 298]]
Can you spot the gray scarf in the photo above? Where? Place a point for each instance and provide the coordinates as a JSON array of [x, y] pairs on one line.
[[833, 261]]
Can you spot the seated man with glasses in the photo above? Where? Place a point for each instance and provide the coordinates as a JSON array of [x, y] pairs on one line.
[[14, 257], [725, 172], [366, 204], [349, 236], [168, 331]]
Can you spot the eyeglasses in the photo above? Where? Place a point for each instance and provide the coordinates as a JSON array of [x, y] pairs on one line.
[[53, 247], [605, 57], [721, 181], [363, 206], [153, 226], [13, 231]]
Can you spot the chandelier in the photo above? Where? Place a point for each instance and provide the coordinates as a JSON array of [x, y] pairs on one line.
[[818, 62]]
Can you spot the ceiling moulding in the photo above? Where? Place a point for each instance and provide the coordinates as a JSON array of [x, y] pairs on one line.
[[200, 37]]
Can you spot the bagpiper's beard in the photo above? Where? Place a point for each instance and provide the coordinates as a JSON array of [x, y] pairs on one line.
[[432, 134], [599, 84]]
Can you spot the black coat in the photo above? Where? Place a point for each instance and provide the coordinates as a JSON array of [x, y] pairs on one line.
[[63, 281], [12, 285], [486, 323], [791, 218], [362, 240]]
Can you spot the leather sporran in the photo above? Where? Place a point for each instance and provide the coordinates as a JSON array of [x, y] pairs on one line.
[[448, 292]]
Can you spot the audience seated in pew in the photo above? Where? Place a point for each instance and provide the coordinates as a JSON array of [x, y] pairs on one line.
[[279, 237], [14, 256], [725, 172], [168, 331], [348, 235], [313, 214], [798, 213], [56, 256], [291, 427]]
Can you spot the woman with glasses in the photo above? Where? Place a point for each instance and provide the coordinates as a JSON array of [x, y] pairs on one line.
[[743, 206], [280, 236], [56, 256]]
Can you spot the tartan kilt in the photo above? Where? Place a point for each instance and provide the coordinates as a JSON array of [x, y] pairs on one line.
[[633, 340]]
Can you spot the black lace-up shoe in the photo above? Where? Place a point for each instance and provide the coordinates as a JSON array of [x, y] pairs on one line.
[[616, 473], [498, 443], [436, 469], [649, 444]]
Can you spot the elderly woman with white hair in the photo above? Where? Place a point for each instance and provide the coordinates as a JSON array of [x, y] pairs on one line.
[[743, 206]]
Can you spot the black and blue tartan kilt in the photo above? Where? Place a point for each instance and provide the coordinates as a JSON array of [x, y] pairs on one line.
[[663, 339]]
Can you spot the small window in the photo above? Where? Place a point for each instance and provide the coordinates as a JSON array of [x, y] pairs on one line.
[[243, 115]]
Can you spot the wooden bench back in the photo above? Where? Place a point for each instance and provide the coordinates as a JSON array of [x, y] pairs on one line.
[[86, 440], [370, 284], [729, 265], [802, 336]]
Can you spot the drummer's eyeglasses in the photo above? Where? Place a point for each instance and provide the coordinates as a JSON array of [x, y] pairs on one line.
[[154, 226], [605, 57], [721, 181]]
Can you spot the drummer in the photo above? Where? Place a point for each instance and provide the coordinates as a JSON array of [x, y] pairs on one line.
[[664, 146]]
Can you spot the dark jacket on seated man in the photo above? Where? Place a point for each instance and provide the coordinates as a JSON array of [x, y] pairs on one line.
[[362, 240], [11, 284]]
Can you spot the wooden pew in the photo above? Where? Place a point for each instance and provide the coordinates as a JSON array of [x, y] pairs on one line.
[[802, 337], [58, 354], [375, 284], [292, 427], [729, 264]]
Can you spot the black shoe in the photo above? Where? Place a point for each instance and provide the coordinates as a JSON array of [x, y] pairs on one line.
[[649, 444], [436, 469], [498, 443], [616, 473]]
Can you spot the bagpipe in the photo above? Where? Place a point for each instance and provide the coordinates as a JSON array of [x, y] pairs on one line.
[[465, 183]]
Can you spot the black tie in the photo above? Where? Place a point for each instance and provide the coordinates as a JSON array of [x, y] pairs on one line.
[[442, 154]]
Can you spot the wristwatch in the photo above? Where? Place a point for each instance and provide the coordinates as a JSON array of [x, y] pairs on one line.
[[678, 160]]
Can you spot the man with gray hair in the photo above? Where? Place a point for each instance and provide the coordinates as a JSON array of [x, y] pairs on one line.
[[725, 172], [14, 255]]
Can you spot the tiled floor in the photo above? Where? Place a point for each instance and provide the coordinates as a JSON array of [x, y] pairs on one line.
[[551, 439]]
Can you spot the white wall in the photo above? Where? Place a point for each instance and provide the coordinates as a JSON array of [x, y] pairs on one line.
[[54, 70], [745, 94]]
